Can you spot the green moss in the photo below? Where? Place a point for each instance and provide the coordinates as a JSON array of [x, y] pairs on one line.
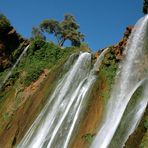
[[88, 137]]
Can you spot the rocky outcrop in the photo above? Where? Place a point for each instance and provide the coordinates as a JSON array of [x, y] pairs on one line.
[[10, 40], [117, 50]]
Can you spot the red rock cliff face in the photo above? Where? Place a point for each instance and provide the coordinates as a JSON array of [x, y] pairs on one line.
[[118, 49], [10, 40]]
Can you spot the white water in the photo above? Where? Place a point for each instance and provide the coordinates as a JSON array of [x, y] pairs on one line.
[[132, 72], [132, 115], [100, 59], [55, 124], [16, 63]]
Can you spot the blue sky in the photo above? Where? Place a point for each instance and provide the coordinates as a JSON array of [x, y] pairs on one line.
[[102, 21]]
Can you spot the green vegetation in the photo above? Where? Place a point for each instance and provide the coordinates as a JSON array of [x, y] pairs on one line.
[[88, 137], [145, 6], [4, 23], [67, 29], [36, 33], [108, 72], [41, 55], [109, 69]]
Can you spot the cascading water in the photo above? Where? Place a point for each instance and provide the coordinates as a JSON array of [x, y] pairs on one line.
[[133, 70], [60, 116], [132, 114], [100, 59], [16, 63]]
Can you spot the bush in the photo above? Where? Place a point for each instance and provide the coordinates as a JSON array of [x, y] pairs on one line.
[[37, 43]]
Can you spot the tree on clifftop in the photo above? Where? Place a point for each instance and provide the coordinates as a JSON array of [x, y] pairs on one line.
[[145, 7], [52, 27], [36, 33], [67, 29]]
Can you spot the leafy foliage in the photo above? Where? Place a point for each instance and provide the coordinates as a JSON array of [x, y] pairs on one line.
[[70, 30], [36, 33], [64, 30], [41, 55]]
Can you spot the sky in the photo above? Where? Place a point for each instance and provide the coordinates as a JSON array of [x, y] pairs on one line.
[[103, 22]]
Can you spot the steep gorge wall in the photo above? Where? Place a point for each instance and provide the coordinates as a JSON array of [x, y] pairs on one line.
[[10, 40]]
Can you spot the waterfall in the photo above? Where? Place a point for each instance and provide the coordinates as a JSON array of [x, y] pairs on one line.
[[133, 70], [57, 119], [13, 67], [132, 115], [100, 59], [56, 122]]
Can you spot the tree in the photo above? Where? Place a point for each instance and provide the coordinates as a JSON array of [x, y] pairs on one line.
[[145, 7], [37, 39], [36, 33], [67, 29], [52, 27]]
